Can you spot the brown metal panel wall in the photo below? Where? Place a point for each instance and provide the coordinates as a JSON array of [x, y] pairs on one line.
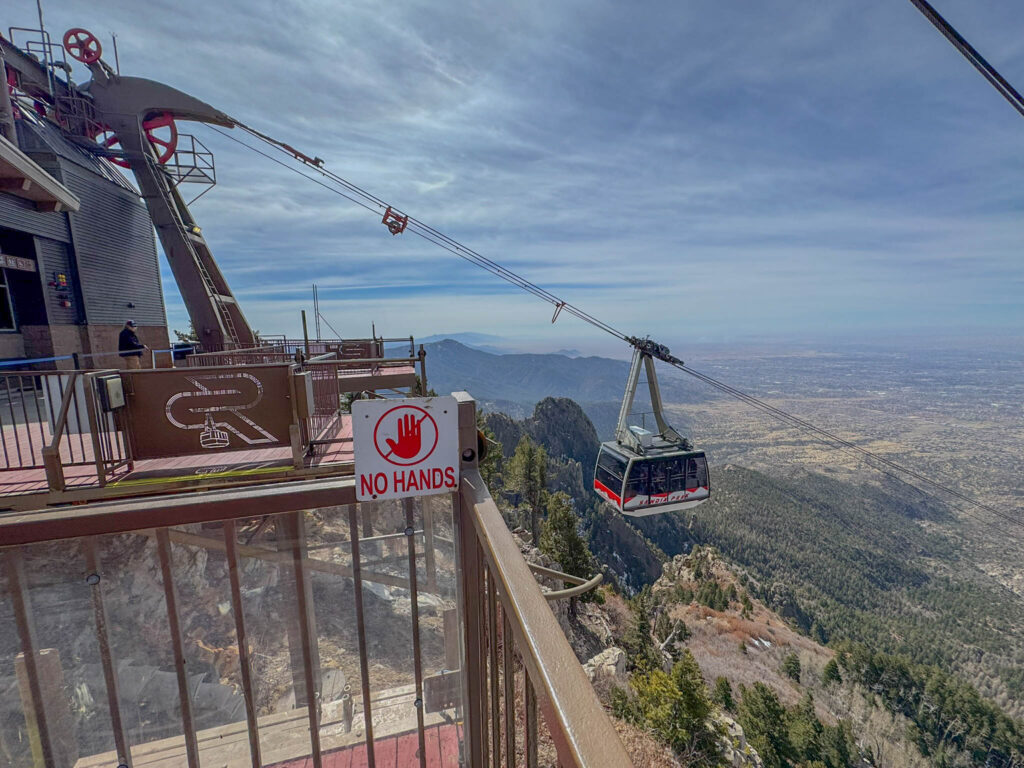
[[115, 249], [56, 257]]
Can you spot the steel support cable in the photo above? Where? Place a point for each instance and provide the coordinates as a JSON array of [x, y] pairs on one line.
[[423, 230], [333, 329], [432, 235], [291, 168], [978, 61], [435, 235]]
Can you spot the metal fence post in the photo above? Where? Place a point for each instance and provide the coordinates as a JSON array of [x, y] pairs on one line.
[[94, 429], [470, 593], [423, 371]]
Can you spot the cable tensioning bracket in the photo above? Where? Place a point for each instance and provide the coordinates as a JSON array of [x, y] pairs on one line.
[[396, 222]]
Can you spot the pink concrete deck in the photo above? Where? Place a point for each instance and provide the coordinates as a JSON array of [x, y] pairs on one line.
[[222, 464], [400, 751]]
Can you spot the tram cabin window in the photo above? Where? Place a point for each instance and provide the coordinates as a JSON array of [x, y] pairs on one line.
[[610, 470], [659, 477], [696, 472], [676, 474], [638, 483]]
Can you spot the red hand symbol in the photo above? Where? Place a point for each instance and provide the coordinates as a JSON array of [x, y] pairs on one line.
[[409, 438]]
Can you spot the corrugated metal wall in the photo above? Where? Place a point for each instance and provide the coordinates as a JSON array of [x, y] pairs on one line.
[[20, 214], [56, 257], [115, 248]]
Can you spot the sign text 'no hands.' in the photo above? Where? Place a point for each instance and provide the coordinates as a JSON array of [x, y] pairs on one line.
[[407, 447]]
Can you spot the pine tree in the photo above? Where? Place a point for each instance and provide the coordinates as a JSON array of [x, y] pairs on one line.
[[560, 540], [662, 626], [675, 707], [723, 695], [805, 730], [764, 722], [830, 674], [748, 606], [791, 667], [637, 641], [187, 337], [527, 473], [491, 462]]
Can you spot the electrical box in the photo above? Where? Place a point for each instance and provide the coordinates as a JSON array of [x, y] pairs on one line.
[[304, 394], [111, 392], [644, 436]]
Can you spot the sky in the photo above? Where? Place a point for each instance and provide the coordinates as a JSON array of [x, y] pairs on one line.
[[697, 170]]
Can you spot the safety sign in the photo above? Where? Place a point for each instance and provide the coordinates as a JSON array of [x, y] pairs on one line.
[[407, 447]]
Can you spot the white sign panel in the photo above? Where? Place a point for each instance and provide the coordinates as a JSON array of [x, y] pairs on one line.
[[407, 447]]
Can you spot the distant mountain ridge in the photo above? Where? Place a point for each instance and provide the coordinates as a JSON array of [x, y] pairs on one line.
[[513, 383], [485, 342]]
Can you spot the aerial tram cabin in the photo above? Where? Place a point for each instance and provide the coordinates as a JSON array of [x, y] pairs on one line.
[[641, 473]]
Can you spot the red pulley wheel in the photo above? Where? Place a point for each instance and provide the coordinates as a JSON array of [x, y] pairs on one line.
[[107, 139], [165, 143], [83, 45]]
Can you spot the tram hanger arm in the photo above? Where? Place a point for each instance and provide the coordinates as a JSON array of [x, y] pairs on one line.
[[644, 352]]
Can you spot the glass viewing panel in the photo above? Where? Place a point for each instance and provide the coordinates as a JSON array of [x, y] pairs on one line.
[[98, 611]]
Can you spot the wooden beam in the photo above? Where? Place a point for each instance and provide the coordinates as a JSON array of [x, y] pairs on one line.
[[16, 183]]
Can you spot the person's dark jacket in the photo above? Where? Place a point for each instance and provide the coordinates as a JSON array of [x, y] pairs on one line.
[[128, 344]]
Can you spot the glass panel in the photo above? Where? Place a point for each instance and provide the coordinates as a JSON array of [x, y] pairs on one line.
[[70, 669], [6, 312], [612, 464], [267, 581], [691, 474], [132, 593], [387, 617], [209, 642], [676, 477], [638, 482], [336, 630], [127, 576], [439, 630], [15, 738], [659, 477], [609, 471]]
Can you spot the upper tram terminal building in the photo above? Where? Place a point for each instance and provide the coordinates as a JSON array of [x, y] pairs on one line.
[[79, 253]]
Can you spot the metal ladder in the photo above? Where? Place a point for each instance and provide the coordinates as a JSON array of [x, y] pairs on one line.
[[211, 289]]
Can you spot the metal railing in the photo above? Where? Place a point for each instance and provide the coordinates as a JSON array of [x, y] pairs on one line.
[[270, 353], [517, 658], [289, 625], [55, 418], [333, 379]]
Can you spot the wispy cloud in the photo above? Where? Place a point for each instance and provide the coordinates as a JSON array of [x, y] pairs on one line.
[[683, 169]]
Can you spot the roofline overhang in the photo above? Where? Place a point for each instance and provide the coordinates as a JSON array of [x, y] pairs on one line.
[[21, 176]]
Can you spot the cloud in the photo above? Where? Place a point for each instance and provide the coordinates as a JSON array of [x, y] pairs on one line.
[[693, 168]]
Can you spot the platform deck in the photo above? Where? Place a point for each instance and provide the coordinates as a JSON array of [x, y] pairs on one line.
[[284, 740], [223, 464]]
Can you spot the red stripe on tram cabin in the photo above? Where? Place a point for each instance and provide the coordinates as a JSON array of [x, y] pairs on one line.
[[602, 488]]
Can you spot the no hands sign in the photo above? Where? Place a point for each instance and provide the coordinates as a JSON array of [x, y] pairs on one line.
[[407, 447]]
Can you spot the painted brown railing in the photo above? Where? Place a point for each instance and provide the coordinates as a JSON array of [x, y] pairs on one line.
[[333, 379], [54, 419], [513, 638]]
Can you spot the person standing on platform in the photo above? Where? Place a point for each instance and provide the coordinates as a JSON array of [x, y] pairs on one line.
[[129, 346]]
